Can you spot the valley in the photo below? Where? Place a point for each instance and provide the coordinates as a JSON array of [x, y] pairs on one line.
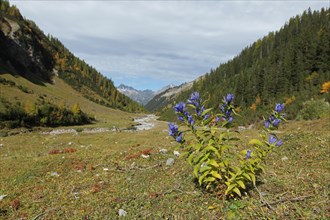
[[74, 146]]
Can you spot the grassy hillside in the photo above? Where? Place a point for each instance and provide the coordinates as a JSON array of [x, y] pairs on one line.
[[26, 51], [92, 176], [60, 93]]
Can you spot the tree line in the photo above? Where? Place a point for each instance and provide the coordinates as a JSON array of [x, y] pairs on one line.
[[289, 65]]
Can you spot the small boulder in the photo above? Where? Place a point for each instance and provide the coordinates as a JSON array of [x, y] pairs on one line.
[[145, 156], [170, 162], [163, 151], [176, 153], [122, 212]]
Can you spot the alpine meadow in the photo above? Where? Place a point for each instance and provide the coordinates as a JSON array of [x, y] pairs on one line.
[[247, 140]]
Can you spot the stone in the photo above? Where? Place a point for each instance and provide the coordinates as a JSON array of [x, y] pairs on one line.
[[176, 153], [163, 151], [284, 158], [170, 162], [122, 212], [55, 174], [145, 156]]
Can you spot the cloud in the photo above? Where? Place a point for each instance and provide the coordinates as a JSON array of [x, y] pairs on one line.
[[155, 43]]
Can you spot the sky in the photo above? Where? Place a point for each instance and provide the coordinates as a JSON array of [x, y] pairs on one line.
[[151, 44]]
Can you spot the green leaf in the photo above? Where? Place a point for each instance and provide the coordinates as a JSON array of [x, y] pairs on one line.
[[237, 191], [213, 130], [192, 106], [255, 142], [207, 121], [230, 187], [216, 174], [247, 176], [201, 178], [253, 177], [241, 184], [198, 158], [198, 147], [204, 168], [190, 158], [206, 111], [209, 179], [213, 163], [211, 148], [196, 169]]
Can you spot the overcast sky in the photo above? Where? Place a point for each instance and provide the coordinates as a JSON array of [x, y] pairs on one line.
[[150, 44]]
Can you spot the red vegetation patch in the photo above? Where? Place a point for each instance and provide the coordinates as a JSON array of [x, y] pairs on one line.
[[54, 151], [145, 152], [96, 188], [64, 151], [69, 150], [15, 204]]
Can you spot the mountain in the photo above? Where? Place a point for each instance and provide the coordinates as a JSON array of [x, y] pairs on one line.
[[167, 95], [289, 65], [25, 51], [140, 96]]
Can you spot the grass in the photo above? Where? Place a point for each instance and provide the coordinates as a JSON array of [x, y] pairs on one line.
[[56, 93], [100, 176]]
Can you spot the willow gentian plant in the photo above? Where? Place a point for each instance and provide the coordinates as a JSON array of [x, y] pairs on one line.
[[211, 147]]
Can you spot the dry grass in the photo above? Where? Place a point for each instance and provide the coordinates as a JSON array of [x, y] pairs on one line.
[[96, 179]]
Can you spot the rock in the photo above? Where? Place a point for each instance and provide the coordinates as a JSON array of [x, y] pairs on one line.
[[105, 169], [122, 212], [176, 153], [145, 156], [284, 158], [70, 143], [164, 151], [1, 145], [55, 174], [2, 197], [170, 162], [241, 128]]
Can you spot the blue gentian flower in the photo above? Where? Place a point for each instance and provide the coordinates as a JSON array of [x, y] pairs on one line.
[[279, 107], [230, 120], [191, 120], [276, 122], [248, 154], [279, 143], [194, 96], [180, 107], [266, 123], [172, 129], [217, 119], [179, 138], [181, 118], [200, 111], [272, 118], [228, 113], [229, 98], [272, 139], [206, 116], [223, 108]]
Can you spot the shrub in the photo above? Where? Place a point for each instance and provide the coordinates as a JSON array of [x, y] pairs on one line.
[[210, 145], [314, 109]]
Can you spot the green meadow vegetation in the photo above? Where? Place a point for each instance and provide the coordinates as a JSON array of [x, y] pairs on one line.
[[93, 175]]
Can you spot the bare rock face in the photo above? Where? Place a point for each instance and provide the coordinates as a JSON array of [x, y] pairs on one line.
[[22, 51]]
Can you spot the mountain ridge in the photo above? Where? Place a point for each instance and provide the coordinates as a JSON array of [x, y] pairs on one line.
[[26, 51]]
